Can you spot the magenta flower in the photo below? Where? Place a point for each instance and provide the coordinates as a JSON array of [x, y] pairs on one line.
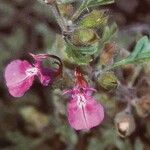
[[83, 110], [19, 74]]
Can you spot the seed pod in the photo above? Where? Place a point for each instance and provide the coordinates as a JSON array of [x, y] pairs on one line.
[[142, 106], [95, 19], [84, 37], [108, 80], [124, 123]]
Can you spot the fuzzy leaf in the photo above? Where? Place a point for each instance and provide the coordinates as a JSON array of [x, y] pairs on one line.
[[99, 2], [140, 54], [77, 57], [95, 19], [85, 50], [81, 55], [109, 32]]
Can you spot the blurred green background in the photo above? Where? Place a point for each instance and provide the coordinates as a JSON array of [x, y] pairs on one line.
[[37, 121]]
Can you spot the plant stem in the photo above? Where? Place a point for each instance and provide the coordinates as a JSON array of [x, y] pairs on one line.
[[59, 18]]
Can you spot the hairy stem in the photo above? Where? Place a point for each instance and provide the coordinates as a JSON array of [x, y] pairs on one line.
[[59, 18]]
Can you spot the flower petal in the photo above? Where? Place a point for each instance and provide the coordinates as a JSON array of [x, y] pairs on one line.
[[45, 76], [83, 118], [17, 79]]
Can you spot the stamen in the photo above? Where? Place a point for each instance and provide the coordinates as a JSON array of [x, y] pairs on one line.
[[31, 71], [81, 101]]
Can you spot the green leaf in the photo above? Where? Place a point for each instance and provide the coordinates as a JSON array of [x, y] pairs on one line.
[[89, 3], [109, 32], [95, 19], [87, 50], [80, 55], [76, 56], [140, 54], [99, 2]]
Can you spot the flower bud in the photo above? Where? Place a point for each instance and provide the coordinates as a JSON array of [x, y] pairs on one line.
[[108, 80], [142, 106], [124, 123], [84, 37], [95, 19]]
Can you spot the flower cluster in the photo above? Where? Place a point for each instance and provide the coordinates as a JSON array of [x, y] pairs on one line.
[[83, 110], [19, 74]]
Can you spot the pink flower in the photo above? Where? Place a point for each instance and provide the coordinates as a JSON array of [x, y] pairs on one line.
[[83, 110], [19, 74]]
